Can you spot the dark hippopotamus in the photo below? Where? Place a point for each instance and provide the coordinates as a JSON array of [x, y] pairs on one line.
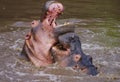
[[68, 52], [48, 43]]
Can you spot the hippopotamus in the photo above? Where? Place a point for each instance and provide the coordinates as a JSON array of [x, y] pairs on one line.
[[68, 53], [39, 41], [48, 43]]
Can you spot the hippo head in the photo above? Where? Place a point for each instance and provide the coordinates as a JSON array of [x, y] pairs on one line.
[[76, 58], [52, 9], [86, 65], [81, 61], [78, 62]]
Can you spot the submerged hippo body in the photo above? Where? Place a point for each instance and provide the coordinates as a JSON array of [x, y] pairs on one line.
[[48, 43]]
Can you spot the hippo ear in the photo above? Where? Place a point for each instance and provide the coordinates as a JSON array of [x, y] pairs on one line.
[[89, 59], [71, 38]]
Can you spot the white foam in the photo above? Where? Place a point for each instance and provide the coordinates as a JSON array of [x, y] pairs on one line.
[[51, 77], [14, 46], [1, 72], [2, 43], [117, 64], [91, 46], [9, 77], [11, 65], [21, 73], [55, 78], [19, 41], [105, 63]]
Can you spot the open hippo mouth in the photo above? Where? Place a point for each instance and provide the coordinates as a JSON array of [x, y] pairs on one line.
[[40, 39], [48, 43], [52, 10]]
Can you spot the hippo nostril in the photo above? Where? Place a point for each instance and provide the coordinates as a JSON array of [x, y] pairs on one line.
[[77, 58], [32, 23], [96, 68], [76, 67], [27, 37]]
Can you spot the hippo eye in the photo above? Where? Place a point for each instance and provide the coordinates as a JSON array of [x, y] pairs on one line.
[[90, 59], [96, 67]]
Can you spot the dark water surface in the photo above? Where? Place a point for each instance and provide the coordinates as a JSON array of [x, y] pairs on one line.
[[107, 11], [27, 10], [98, 28]]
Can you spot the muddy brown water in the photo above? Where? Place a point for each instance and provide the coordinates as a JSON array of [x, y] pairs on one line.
[[98, 27]]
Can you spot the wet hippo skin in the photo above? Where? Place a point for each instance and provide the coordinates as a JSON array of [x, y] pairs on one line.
[[41, 37], [48, 43], [68, 52]]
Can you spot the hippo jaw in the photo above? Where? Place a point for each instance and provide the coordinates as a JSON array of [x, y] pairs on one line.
[[53, 10], [77, 63]]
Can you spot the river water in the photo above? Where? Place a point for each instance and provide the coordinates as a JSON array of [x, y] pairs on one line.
[[98, 28]]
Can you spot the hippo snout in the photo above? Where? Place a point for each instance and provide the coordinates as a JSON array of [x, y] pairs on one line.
[[92, 70], [76, 58], [89, 68]]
